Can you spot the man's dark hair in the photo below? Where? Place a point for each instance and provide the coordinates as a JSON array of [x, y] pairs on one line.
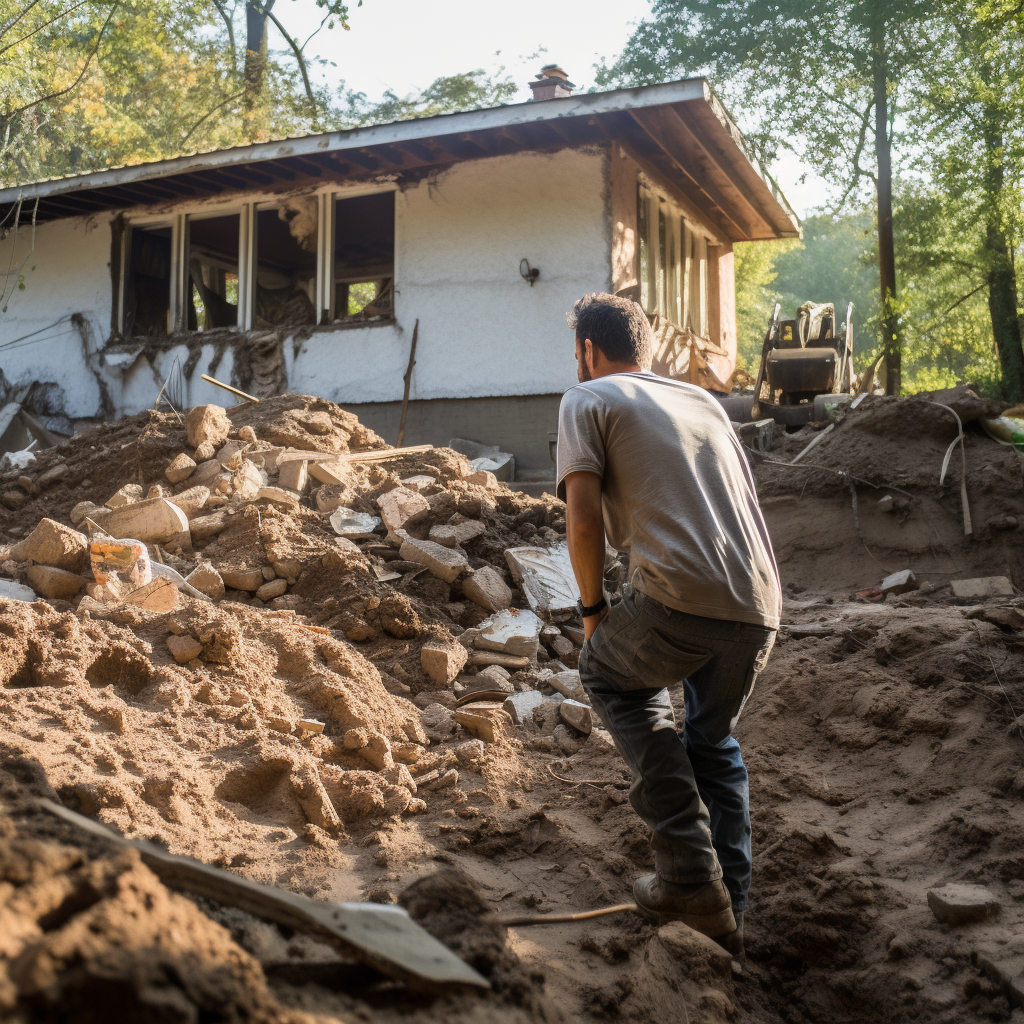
[[617, 326]]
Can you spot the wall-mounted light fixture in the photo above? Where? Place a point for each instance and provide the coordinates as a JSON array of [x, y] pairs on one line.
[[528, 273]]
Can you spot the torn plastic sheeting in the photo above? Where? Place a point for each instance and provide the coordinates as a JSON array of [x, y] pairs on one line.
[[17, 591], [487, 457], [546, 576], [346, 522]]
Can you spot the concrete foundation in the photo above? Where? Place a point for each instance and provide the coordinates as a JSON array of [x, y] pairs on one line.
[[517, 424]]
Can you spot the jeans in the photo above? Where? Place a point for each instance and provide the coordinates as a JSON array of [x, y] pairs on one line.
[[690, 789]]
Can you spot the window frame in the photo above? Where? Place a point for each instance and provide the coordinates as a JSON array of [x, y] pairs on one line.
[[179, 221]]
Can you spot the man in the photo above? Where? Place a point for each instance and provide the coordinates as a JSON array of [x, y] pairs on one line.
[[653, 464]]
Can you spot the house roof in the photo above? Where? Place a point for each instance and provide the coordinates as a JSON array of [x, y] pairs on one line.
[[678, 132]]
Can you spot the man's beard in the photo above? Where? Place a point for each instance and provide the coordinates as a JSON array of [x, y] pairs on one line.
[[585, 373]]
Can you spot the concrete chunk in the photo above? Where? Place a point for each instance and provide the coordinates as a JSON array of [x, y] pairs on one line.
[[294, 476], [207, 423], [520, 706], [487, 589], [962, 903], [52, 475], [313, 799], [181, 467], [546, 576], [899, 582], [400, 508], [485, 721], [461, 533], [444, 563], [155, 521], [984, 586], [242, 579], [568, 684], [513, 631], [578, 715], [54, 583], [509, 661], [125, 496], [206, 580], [160, 595], [184, 648], [279, 496], [53, 543], [443, 661], [192, 501], [208, 526]]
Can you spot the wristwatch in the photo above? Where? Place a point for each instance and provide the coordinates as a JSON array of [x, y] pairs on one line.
[[586, 610]]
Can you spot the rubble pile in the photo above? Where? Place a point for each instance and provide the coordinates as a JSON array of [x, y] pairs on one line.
[[261, 638]]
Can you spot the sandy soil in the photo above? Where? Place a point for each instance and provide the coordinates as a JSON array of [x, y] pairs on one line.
[[882, 743]]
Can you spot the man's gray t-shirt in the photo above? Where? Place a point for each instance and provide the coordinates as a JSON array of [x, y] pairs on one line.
[[677, 493]]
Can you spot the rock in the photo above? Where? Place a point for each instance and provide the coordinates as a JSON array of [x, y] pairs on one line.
[[16, 591], [52, 475], [483, 478], [27, 484], [242, 579], [962, 903], [207, 423], [192, 501], [54, 583], [444, 780], [18, 499], [160, 595], [275, 588], [155, 521], [437, 721], [1003, 523], [1005, 968], [496, 676], [461, 533], [444, 563], [180, 468], [53, 543], [485, 721], [183, 648], [568, 684], [578, 715], [487, 589], [208, 526], [294, 476], [246, 482], [885, 503], [330, 498], [985, 586], [330, 473], [420, 482], [313, 799], [513, 631], [348, 523], [442, 661], [511, 661], [207, 580], [546, 576], [247, 434], [371, 745], [899, 582], [206, 473], [279, 496], [520, 706], [85, 510], [205, 451], [311, 725], [401, 508], [694, 949], [562, 647]]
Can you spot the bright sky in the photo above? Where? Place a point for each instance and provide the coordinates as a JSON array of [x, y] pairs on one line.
[[404, 45]]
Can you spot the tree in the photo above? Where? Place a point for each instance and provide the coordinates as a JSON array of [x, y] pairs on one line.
[[828, 71]]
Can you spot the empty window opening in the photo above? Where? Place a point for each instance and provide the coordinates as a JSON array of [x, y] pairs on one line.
[[364, 256], [147, 291], [673, 264], [212, 294], [286, 251]]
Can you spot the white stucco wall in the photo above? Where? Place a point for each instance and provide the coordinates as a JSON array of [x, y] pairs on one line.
[[459, 239]]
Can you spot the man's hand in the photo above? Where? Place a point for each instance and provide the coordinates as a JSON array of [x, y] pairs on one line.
[[584, 527]]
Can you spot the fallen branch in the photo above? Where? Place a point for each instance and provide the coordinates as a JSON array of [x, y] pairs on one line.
[[586, 915]]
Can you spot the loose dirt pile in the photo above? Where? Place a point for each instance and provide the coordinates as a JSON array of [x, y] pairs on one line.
[[303, 728]]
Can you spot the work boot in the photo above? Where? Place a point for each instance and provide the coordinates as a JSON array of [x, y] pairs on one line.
[[704, 906], [732, 942]]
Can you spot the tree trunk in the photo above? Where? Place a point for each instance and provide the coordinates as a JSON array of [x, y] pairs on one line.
[[255, 61], [1002, 276], [891, 344]]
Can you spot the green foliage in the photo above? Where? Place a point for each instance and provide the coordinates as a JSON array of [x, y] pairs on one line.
[[756, 271]]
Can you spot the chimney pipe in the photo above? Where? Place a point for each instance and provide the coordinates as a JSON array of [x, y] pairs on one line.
[[552, 83]]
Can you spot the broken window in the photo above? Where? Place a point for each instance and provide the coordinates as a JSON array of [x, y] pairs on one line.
[[211, 298], [673, 264], [364, 256], [286, 260], [147, 291]]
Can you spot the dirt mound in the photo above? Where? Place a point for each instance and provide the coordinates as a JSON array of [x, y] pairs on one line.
[[831, 535]]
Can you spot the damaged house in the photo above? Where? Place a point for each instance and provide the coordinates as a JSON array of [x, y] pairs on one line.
[[311, 264]]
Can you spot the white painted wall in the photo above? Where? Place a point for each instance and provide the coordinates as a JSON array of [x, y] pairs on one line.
[[459, 239]]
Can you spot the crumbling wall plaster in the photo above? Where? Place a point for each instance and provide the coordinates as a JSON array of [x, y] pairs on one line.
[[460, 236]]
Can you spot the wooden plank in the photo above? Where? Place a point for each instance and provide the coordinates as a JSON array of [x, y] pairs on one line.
[[45, 437], [12, 407], [381, 935], [377, 455]]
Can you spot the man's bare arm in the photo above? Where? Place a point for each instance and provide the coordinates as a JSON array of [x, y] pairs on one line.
[[585, 532]]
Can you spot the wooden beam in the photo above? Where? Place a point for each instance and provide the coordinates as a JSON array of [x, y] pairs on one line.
[[304, 165], [652, 123]]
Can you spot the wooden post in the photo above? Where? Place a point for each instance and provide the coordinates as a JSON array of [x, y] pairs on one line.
[[408, 382]]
